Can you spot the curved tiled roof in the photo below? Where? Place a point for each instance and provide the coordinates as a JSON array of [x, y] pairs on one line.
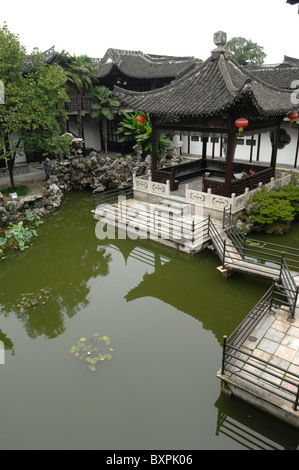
[[279, 75], [48, 57], [139, 65], [211, 87]]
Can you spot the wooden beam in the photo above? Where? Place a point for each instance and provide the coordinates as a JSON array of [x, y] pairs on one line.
[[176, 126]]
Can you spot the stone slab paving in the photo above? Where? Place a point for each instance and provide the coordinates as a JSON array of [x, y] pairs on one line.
[[274, 340]]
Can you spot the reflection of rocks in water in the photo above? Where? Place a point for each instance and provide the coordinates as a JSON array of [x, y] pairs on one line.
[[63, 261]]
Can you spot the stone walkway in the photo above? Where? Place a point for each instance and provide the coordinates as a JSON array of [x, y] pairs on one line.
[[274, 341]]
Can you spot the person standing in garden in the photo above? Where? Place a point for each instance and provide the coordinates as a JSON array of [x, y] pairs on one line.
[[47, 168]]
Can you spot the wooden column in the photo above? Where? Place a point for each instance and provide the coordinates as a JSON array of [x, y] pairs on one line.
[[154, 148], [275, 147], [204, 151], [251, 148], [258, 148], [229, 163], [297, 150]]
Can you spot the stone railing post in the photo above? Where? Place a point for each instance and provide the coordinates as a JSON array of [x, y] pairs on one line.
[[187, 192], [209, 192], [233, 202], [272, 182], [150, 183], [246, 195], [167, 188]]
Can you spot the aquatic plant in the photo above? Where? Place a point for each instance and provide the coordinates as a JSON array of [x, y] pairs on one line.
[[18, 236], [93, 350], [33, 299]]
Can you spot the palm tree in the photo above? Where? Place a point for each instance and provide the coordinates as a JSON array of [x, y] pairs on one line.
[[103, 108], [81, 73]]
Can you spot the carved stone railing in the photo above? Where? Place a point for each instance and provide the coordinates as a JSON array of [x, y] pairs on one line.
[[206, 199]]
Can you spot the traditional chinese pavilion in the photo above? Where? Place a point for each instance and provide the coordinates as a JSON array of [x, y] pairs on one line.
[[219, 97]]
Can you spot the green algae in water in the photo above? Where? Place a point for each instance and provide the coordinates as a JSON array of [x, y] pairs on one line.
[[93, 350]]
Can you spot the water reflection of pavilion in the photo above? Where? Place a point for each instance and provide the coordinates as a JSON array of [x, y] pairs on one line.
[[183, 283]]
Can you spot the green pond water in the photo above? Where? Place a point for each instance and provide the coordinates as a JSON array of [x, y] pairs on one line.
[[165, 315]]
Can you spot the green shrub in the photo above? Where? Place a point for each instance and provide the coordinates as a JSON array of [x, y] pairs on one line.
[[290, 192], [270, 211]]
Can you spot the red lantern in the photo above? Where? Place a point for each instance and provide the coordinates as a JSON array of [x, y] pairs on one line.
[[141, 119], [241, 123], [292, 117]]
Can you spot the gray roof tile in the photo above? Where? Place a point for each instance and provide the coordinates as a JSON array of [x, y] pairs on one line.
[[211, 87]]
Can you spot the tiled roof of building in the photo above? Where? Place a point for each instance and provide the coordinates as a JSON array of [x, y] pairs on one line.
[[291, 60], [209, 88], [280, 75], [48, 57], [139, 65]]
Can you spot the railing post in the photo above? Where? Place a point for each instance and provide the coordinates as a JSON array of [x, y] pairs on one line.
[[224, 248], [295, 303], [209, 222], [296, 399], [244, 245], [272, 295], [224, 218], [281, 267], [193, 231], [223, 355]]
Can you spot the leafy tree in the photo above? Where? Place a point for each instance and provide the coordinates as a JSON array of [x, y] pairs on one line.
[[103, 108], [81, 76], [245, 51], [131, 129], [33, 102]]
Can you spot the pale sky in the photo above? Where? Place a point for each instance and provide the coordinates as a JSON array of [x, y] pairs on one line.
[[180, 28]]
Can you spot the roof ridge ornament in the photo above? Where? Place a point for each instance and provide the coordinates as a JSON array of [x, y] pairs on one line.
[[220, 39]]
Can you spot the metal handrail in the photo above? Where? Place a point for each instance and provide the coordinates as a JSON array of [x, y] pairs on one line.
[[173, 226], [232, 354], [286, 376]]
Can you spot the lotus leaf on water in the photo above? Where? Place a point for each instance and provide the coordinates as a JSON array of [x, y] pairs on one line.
[[32, 299], [93, 350]]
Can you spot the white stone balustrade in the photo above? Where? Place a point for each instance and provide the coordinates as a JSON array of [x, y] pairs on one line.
[[208, 200]]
